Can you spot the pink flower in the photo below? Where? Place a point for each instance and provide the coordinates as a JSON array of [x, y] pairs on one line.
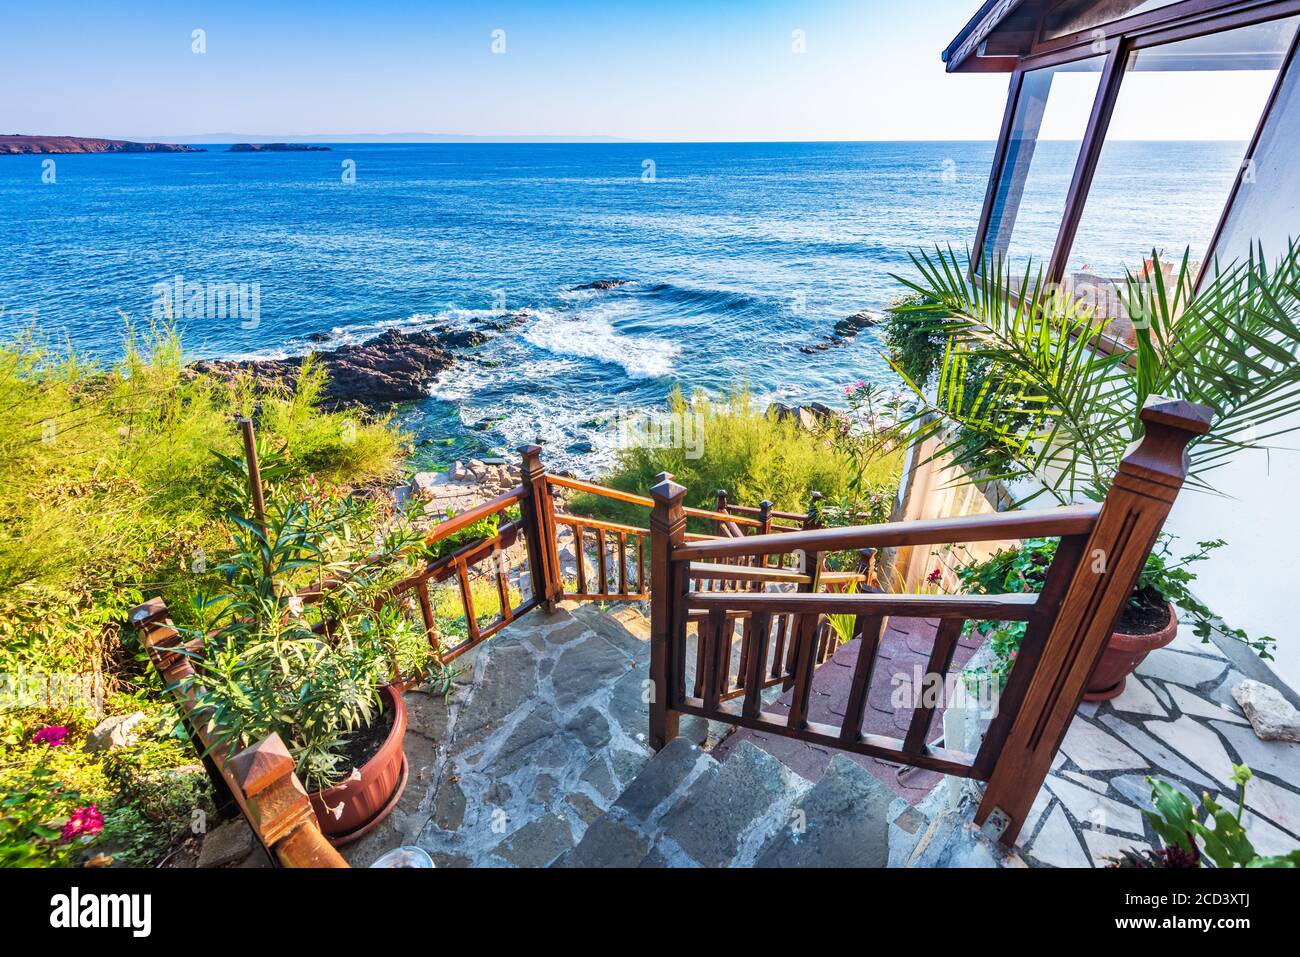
[[935, 576], [51, 734], [84, 820]]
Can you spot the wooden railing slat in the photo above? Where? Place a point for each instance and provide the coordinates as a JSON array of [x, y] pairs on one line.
[[759, 633], [945, 644], [805, 649], [715, 666], [869, 630]]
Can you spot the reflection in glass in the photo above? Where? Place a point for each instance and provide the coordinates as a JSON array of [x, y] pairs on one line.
[[1176, 142], [1047, 131]]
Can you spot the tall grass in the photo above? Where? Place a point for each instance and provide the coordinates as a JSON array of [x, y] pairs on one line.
[[107, 482], [109, 493], [749, 452]]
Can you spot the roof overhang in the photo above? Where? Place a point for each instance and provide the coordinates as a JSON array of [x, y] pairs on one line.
[[995, 38]]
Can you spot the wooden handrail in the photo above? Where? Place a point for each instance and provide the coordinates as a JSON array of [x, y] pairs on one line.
[[1045, 523], [745, 573], [578, 485], [1011, 607], [479, 512], [260, 779], [1103, 548], [754, 510], [564, 518]]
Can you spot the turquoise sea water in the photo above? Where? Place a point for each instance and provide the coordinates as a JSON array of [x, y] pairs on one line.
[[736, 255]]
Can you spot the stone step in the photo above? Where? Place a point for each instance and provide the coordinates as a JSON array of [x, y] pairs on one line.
[[724, 819], [610, 627], [623, 836], [843, 821]]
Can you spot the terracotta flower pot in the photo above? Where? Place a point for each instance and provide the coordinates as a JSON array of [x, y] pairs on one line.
[[1124, 653], [350, 809]]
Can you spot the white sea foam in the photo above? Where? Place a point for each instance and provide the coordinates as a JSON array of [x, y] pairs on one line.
[[590, 334]]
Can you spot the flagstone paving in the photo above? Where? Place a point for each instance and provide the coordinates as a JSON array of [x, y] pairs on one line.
[[546, 732], [1176, 720]]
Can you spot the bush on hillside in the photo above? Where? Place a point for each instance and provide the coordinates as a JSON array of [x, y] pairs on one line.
[[751, 453]]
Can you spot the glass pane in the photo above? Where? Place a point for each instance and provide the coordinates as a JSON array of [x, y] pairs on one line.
[[1047, 130], [1267, 208], [1177, 140], [1077, 15]]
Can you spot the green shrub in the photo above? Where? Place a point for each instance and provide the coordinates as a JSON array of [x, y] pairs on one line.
[[108, 494], [751, 453]]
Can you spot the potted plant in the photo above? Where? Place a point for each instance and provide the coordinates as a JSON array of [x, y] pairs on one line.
[[317, 672], [1012, 387], [1149, 620]]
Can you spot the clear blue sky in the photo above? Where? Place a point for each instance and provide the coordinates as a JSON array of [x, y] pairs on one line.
[[652, 70]]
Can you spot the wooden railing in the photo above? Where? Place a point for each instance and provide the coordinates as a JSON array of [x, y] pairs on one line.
[[260, 779], [1101, 554]]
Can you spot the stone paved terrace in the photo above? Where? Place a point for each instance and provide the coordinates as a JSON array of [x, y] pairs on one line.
[[547, 729]]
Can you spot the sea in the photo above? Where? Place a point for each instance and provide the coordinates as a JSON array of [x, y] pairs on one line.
[[731, 259]]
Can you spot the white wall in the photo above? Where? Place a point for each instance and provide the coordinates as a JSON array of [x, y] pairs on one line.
[[1253, 582]]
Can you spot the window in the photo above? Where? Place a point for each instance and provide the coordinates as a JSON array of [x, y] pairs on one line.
[[1175, 143], [1051, 115], [1266, 211]]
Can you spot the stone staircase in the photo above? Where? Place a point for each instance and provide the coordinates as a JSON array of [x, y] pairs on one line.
[[539, 758], [687, 809]]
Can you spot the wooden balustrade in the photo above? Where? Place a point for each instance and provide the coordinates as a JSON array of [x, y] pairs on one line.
[[1101, 554]]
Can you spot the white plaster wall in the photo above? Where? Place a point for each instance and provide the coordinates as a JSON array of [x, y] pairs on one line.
[[1253, 582]]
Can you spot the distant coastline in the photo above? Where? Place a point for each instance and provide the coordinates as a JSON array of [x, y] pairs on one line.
[[17, 144]]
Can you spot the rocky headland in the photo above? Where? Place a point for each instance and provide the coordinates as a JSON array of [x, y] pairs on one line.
[[36, 145]]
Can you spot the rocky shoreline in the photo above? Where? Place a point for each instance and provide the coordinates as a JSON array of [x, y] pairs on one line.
[[390, 368]]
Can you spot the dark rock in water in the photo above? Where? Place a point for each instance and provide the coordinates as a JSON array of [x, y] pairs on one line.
[[462, 339], [319, 337], [392, 367], [843, 331], [850, 327], [505, 321], [601, 284], [580, 448]]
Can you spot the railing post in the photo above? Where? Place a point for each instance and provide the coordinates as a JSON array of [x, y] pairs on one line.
[[668, 586], [163, 644], [538, 512], [278, 808], [814, 517], [765, 517], [1149, 479]]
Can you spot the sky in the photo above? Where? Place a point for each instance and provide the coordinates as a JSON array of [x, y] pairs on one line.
[[719, 70]]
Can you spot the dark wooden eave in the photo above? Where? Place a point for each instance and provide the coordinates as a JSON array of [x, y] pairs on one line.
[[999, 34]]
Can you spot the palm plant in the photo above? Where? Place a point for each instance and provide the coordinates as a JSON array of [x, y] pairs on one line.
[[1029, 371]]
